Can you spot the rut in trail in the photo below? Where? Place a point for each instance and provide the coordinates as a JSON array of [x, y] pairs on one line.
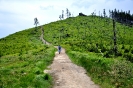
[[68, 75]]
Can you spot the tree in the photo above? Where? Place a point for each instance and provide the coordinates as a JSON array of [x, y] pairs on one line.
[[115, 38], [99, 13], [112, 14], [36, 22], [104, 13], [60, 17], [123, 17], [67, 12], [109, 13], [62, 14]]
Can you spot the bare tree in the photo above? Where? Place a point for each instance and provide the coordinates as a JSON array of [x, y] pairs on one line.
[[67, 12], [62, 14], [60, 17], [104, 13], [115, 38], [36, 22]]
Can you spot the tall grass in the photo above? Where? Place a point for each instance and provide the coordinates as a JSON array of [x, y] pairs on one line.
[[107, 72], [23, 59]]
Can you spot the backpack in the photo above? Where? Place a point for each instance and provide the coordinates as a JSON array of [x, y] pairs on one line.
[[59, 47]]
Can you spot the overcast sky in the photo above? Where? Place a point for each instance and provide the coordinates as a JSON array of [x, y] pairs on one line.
[[16, 15]]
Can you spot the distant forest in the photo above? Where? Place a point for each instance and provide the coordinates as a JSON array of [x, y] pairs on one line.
[[124, 17]]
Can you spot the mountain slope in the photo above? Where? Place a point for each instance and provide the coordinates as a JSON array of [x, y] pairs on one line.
[[91, 34], [23, 57], [89, 43], [87, 39]]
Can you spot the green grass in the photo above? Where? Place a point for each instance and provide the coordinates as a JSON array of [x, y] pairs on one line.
[[91, 34], [23, 59], [107, 72], [89, 43]]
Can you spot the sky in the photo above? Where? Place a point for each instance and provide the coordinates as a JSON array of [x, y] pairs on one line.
[[17, 15]]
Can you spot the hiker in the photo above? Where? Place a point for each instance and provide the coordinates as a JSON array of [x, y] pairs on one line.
[[59, 49]]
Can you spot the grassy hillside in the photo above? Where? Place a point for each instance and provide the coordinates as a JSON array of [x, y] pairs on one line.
[[88, 42], [23, 58], [91, 34], [82, 35], [107, 72]]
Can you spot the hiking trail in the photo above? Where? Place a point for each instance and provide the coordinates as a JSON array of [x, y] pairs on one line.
[[66, 74]]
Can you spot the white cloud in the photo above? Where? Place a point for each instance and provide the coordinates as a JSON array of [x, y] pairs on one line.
[[16, 15]]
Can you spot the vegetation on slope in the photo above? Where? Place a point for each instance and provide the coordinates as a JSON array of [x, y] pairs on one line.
[[91, 34], [23, 57], [107, 72], [84, 34]]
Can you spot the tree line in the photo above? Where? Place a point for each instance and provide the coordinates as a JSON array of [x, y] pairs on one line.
[[124, 17], [68, 14]]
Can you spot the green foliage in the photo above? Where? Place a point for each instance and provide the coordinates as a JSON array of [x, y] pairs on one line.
[[81, 35], [91, 34], [121, 72], [19, 42], [109, 73], [23, 59], [42, 81]]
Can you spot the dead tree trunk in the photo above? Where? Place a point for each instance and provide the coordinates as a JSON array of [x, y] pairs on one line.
[[115, 38]]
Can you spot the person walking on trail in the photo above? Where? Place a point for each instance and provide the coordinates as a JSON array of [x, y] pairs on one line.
[[59, 49]]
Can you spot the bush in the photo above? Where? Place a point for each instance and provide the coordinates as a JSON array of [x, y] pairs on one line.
[[121, 71], [42, 81]]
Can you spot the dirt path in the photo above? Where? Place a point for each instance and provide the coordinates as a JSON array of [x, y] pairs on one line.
[[68, 75], [41, 37], [65, 73]]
